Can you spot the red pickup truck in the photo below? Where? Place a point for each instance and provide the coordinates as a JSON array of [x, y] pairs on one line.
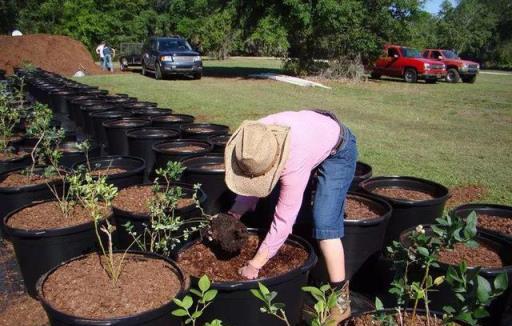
[[407, 63], [457, 68]]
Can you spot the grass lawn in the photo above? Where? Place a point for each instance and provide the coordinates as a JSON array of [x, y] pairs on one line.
[[458, 135]]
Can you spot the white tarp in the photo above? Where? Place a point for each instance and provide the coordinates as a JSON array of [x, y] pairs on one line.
[[289, 79]]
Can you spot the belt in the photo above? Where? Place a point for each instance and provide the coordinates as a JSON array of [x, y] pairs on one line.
[[340, 138]]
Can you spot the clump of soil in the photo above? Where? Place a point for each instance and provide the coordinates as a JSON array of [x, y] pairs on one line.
[[48, 215], [56, 53], [483, 256], [228, 234], [199, 259], [400, 193], [82, 288], [17, 179], [419, 320], [185, 149], [359, 210], [107, 171], [136, 200], [502, 224], [465, 194]]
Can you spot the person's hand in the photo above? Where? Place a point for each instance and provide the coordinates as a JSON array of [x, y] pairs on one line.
[[249, 272]]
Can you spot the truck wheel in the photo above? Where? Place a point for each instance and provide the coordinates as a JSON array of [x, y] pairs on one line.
[[410, 75], [197, 75], [452, 76], [469, 79], [158, 72], [375, 75]]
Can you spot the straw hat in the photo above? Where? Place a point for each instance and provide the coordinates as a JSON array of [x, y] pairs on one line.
[[255, 157]]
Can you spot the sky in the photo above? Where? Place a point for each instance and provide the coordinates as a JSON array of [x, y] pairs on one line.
[[433, 6]]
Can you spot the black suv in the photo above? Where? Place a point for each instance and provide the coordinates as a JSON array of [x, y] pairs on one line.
[[170, 56]]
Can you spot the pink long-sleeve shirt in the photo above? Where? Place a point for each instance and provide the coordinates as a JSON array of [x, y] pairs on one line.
[[312, 138]]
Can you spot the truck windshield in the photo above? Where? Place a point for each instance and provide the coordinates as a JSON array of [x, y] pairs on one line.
[[411, 53], [450, 54], [173, 45]]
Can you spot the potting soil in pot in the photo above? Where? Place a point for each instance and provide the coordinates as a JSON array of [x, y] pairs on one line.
[[48, 215], [400, 193], [17, 179], [199, 259], [82, 288], [359, 210], [185, 149], [419, 320], [136, 199], [495, 223], [107, 171], [483, 256]]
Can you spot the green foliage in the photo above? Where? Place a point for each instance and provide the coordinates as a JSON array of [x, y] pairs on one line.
[[205, 296], [452, 230], [9, 115], [165, 229], [326, 299], [473, 293], [380, 316], [271, 308]]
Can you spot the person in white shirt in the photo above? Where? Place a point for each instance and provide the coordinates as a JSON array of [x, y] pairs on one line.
[[99, 51]]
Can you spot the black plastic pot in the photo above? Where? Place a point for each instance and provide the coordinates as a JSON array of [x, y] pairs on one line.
[[171, 120], [141, 141], [59, 101], [500, 211], [219, 142], [167, 151], [409, 213], [12, 198], [38, 251], [87, 111], [148, 112], [15, 163], [197, 170], [84, 108], [363, 239], [120, 100], [391, 311], [116, 133], [235, 305], [97, 122], [134, 165], [75, 102], [72, 155], [363, 172], [139, 221], [191, 131], [156, 317], [139, 105], [444, 294]]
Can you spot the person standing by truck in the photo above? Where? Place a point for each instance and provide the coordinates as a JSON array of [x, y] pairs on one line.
[[108, 54], [99, 51]]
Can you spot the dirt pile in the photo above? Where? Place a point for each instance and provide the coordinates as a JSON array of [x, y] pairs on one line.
[[55, 53]]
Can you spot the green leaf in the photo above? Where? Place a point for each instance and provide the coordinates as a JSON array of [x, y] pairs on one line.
[[439, 280], [501, 282], [325, 287], [210, 295], [279, 305], [472, 244], [263, 289], [423, 251], [313, 290], [187, 302], [331, 300], [180, 313], [378, 304], [480, 313], [319, 307], [257, 294], [483, 290], [197, 314], [204, 283], [194, 291]]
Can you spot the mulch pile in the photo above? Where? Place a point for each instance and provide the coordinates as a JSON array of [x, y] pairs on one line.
[[56, 53]]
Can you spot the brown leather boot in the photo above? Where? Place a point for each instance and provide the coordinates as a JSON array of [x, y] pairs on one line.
[[341, 311]]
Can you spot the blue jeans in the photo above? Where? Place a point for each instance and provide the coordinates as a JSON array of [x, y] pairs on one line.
[[335, 175], [108, 61]]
